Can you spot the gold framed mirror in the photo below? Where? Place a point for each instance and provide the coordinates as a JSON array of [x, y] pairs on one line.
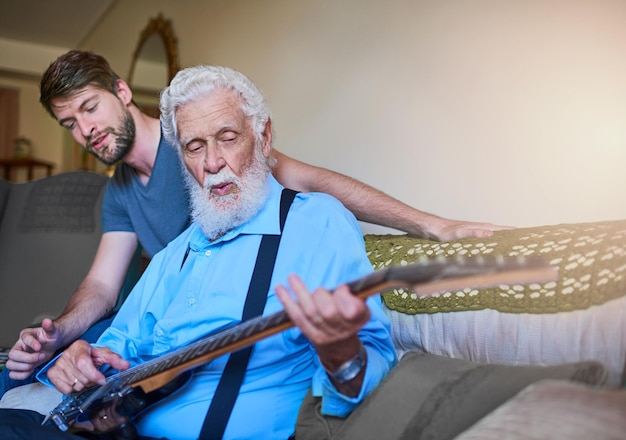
[[155, 60]]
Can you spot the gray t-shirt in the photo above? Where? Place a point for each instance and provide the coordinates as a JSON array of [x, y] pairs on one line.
[[158, 211]]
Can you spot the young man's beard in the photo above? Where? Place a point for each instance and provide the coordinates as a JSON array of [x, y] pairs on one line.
[[124, 139], [218, 215]]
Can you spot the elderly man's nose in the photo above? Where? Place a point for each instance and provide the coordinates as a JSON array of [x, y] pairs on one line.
[[213, 161]]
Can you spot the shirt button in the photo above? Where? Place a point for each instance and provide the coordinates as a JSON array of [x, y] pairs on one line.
[[207, 253], [192, 301]]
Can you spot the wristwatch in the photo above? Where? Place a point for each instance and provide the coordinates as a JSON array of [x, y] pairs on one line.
[[350, 368]]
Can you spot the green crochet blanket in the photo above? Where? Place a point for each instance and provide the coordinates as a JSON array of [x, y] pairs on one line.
[[591, 258]]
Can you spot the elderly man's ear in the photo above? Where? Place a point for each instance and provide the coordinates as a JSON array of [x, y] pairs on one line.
[[267, 139]]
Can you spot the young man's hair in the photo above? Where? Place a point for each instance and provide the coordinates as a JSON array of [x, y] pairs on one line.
[[72, 72]]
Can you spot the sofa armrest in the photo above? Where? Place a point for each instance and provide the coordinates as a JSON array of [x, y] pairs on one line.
[[580, 317]]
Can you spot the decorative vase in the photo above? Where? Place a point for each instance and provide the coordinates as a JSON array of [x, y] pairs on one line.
[[21, 148]]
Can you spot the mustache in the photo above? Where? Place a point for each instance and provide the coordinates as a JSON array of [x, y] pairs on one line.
[[98, 135], [222, 178]]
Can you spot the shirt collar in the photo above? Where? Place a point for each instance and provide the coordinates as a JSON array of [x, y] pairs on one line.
[[265, 222]]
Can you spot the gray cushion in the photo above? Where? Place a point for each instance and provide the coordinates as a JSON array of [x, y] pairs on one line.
[[49, 234], [556, 410], [436, 397]]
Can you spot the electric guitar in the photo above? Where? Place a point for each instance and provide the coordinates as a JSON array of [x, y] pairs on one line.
[[131, 391]]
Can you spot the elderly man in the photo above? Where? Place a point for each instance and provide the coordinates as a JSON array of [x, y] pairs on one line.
[[340, 347]]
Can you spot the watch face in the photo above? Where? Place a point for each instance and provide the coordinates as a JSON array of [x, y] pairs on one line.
[[351, 368], [350, 372]]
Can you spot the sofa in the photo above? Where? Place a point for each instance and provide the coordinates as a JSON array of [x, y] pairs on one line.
[[480, 363], [581, 316], [535, 361], [49, 233]]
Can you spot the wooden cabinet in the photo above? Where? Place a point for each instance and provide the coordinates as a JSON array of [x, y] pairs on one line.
[[10, 168]]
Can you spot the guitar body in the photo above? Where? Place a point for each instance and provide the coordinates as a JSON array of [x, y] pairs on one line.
[[129, 403], [134, 403]]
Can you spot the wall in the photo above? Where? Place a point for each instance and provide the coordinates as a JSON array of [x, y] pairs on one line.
[[504, 111], [34, 123], [21, 66]]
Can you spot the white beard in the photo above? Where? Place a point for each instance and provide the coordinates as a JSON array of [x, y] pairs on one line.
[[217, 215]]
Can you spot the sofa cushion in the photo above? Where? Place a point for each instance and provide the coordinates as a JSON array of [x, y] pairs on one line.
[[582, 316], [555, 410], [49, 234], [435, 397], [33, 396], [4, 195]]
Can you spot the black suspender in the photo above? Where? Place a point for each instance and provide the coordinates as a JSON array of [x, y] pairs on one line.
[[228, 388]]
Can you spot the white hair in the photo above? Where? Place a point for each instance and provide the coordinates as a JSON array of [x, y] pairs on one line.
[[194, 82]]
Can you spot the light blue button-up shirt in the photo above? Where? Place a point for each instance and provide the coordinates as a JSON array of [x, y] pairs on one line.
[[171, 306]]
